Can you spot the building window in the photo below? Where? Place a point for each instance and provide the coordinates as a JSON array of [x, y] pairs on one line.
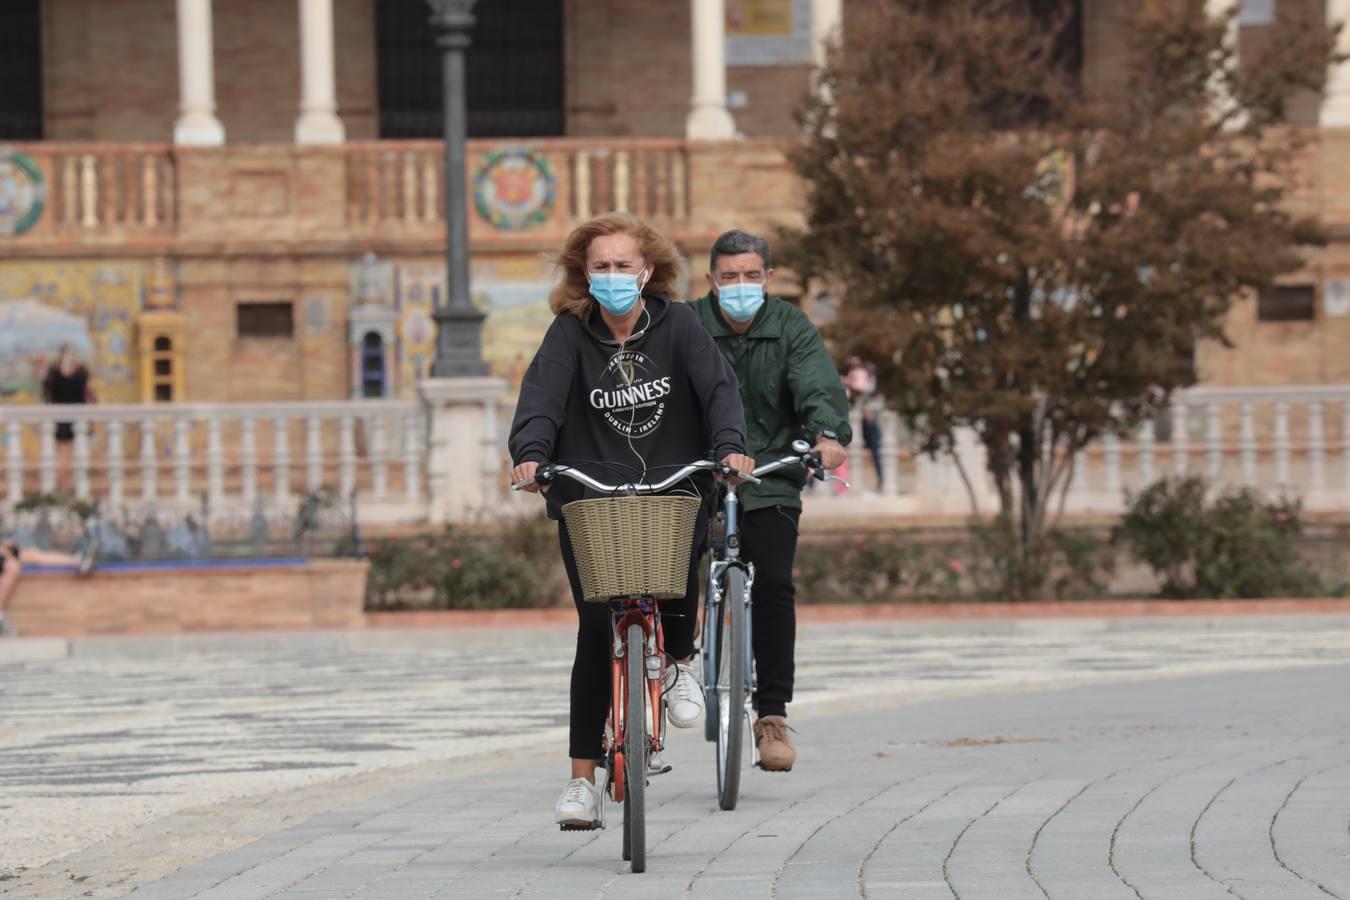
[[20, 70], [372, 366], [515, 70], [162, 364], [1257, 12], [265, 320], [1286, 303]]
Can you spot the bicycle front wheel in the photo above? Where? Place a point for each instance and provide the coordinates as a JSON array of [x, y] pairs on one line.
[[635, 751], [708, 649], [730, 689]]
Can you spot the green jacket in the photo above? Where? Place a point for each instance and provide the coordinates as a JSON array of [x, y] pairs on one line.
[[789, 386]]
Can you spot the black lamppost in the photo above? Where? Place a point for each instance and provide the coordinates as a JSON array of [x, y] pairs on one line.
[[459, 324]]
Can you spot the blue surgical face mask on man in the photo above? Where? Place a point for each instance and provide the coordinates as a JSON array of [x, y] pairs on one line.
[[616, 292], [740, 301]]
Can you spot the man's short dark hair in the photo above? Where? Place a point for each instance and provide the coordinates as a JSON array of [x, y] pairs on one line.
[[736, 242]]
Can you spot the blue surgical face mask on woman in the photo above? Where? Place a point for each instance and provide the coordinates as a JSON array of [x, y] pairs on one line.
[[740, 301], [616, 292]]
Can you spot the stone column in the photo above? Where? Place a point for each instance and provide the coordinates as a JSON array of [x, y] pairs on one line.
[[708, 116], [1216, 9], [827, 20], [464, 460], [197, 122], [1336, 95], [318, 122]]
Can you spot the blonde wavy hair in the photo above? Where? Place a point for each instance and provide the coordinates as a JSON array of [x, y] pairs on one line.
[[572, 293]]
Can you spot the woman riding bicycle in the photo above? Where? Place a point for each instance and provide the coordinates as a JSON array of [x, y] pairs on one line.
[[626, 380]]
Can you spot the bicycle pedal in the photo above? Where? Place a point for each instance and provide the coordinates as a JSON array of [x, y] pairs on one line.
[[580, 826]]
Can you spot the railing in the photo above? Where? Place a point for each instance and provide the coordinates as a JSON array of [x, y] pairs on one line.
[[403, 182], [1293, 441], [226, 457], [100, 187], [236, 458]]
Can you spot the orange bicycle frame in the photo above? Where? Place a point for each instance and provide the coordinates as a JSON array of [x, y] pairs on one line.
[[633, 614]]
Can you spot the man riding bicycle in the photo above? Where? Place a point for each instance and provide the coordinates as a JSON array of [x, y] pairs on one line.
[[791, 390]]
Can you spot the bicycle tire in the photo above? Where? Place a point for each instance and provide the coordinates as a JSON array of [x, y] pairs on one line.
[[709, 651], [731, 687], [635, 751]]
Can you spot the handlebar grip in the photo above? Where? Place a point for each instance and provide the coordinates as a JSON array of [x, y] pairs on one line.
[[542, 475]]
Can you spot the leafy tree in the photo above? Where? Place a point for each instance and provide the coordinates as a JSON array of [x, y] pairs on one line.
[[1033, 262]]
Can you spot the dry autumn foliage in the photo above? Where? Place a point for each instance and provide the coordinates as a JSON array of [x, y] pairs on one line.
[[1033, 262]]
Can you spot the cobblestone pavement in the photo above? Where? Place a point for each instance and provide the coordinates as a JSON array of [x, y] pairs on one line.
[[1174, 759]]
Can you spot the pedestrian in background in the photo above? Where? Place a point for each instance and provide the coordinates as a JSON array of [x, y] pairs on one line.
[[67, 382]]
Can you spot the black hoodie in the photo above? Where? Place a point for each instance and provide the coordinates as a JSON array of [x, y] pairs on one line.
[[668, 391]]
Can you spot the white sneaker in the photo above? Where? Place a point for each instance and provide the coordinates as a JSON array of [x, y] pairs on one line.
[[684, 695], [581, 803]]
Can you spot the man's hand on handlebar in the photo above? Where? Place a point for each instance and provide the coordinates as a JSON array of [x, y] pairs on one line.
[[525, 473], [832, 453], [741, 463]]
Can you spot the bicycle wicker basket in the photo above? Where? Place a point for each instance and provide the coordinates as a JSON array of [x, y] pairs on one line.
[[632, 546]]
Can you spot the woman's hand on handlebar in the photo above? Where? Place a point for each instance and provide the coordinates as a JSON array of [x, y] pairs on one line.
[[741, 463], [525, 473]]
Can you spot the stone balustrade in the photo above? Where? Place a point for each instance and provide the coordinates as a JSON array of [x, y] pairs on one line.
[[226, 458], [1292, 440], [152, 199], [237, 457], [96, 189], [401, 183]]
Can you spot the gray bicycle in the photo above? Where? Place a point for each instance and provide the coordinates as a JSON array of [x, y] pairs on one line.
[[728, 662]]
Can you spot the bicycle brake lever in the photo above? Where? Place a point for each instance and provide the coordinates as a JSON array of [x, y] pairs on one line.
[[727, 471], [542, 476]]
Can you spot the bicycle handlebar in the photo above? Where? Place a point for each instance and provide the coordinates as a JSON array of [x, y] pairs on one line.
[[802, 455], [547, 472]]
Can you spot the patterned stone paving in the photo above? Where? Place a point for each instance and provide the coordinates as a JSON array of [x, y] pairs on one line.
[[325, 766]]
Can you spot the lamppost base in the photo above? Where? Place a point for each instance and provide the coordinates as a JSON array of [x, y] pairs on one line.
[[464, 458], [459, 344]]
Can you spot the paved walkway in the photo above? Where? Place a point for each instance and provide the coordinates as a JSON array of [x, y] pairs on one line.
[[1190, 759]]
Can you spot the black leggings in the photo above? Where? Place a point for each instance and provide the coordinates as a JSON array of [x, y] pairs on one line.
[[591, 666]]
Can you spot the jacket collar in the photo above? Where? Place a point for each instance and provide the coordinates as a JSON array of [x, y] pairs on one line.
[[768, 323]]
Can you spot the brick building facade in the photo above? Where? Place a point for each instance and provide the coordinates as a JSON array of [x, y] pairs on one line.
[[239, 224]]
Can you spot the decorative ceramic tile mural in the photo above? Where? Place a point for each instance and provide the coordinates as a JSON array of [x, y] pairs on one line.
[[90, 306]]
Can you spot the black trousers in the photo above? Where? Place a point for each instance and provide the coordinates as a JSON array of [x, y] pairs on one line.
[[591, 665], [769, 541]]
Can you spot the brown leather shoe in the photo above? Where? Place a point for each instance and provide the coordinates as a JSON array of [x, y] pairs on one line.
[[776, 753]]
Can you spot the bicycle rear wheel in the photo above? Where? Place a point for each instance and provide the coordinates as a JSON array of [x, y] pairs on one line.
[[731, 687], [635, 751]]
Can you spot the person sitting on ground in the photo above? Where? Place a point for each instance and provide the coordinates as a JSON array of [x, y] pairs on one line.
[[11, 568]]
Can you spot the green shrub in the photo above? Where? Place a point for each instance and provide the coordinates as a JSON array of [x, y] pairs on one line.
[[876, 568], [1065, 564], [1236, 545], [514, 565]]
